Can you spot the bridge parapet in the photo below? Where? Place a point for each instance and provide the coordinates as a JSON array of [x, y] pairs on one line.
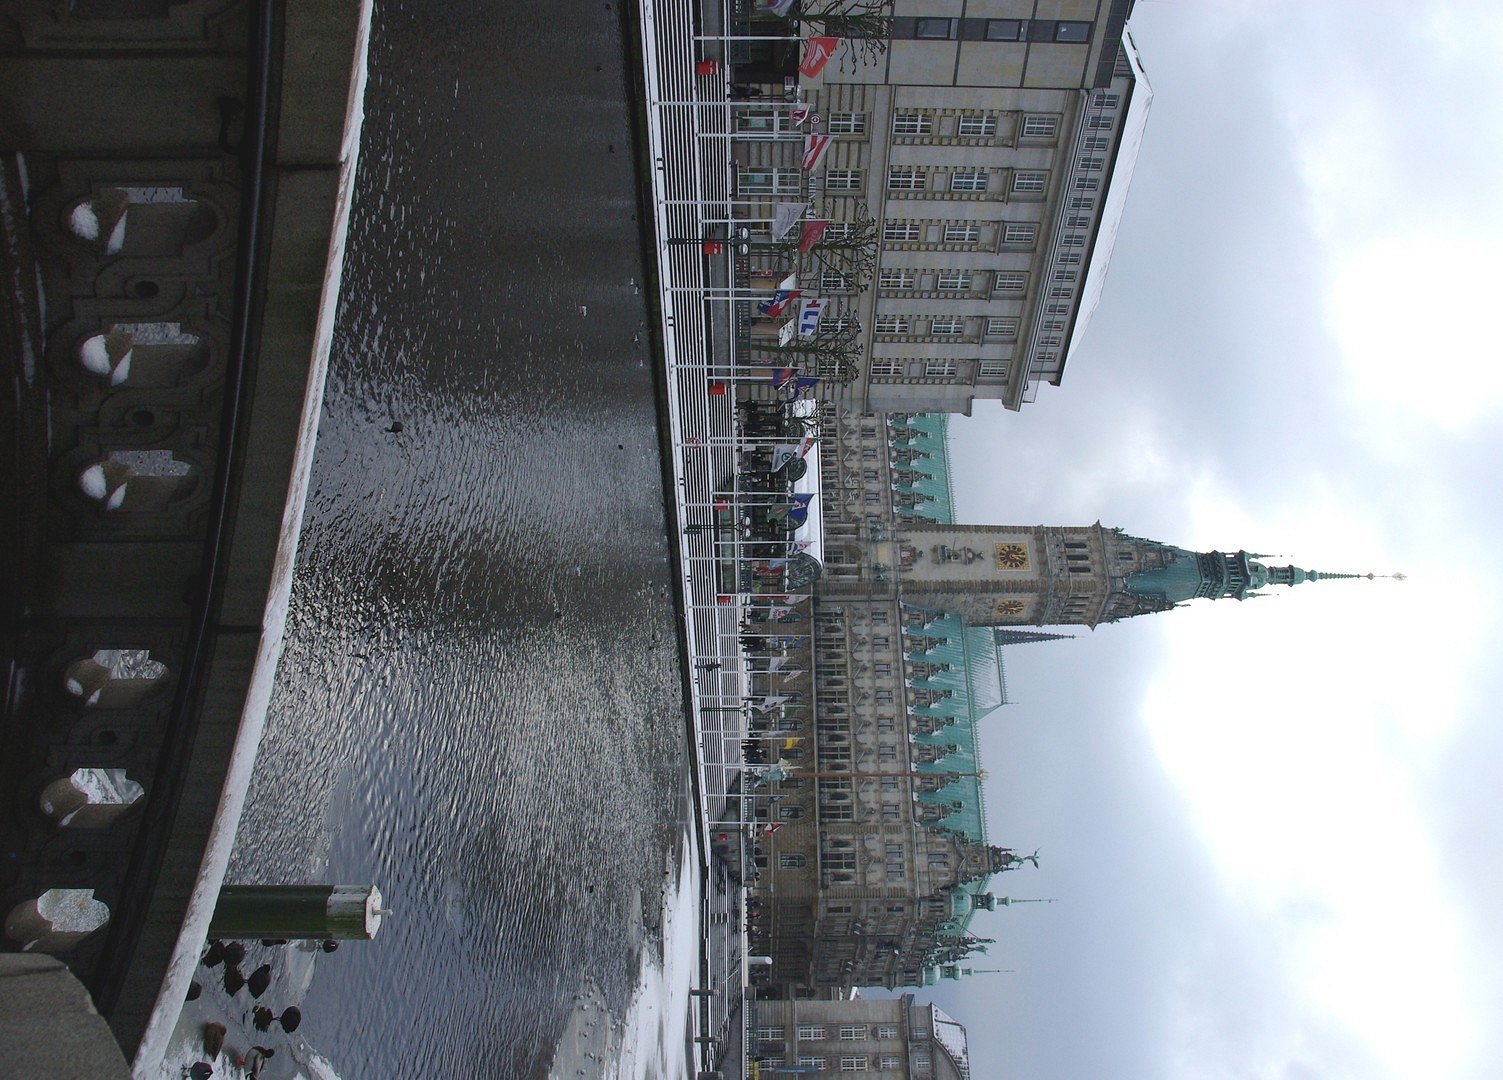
[[173, 198]]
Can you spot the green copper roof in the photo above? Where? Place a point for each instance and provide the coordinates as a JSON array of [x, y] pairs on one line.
[[970, 669], [928, 474]]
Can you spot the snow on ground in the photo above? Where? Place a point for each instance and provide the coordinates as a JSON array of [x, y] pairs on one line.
[[655, 1030]]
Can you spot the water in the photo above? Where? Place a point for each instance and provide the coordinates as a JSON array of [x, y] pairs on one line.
[[479, 706]]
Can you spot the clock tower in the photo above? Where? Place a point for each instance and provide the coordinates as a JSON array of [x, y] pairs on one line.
[[1008, 575]]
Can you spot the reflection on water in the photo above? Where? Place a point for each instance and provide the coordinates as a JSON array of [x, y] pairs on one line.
[[479, 705]]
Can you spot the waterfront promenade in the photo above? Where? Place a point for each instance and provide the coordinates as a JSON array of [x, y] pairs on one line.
[[688, 126]]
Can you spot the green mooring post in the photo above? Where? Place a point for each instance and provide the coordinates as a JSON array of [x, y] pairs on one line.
[[350, 912]]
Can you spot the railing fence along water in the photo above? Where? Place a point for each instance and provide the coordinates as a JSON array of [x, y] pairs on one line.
[[734, 462]]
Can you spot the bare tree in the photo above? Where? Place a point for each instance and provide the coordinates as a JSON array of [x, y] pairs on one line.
[[864, 27], [834, 356], [847, 248]]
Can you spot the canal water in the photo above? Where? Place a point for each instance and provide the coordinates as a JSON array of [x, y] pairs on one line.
[[479, 707]]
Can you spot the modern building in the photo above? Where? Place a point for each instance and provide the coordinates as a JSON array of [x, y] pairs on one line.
[[992, 150], [893, 1039]]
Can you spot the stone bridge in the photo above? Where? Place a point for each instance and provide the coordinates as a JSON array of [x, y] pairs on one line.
[[174, 186]]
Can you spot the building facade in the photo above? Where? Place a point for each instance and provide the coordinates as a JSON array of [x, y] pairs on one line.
[[992, 150], [893, 1039], [882, 854]]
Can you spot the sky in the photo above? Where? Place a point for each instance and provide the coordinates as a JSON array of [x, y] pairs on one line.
[[1272, 828]]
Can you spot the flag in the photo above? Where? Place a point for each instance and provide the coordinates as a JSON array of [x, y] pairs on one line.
[[816, 146], [792, 673], [786, 331], [778, 302], [781, 377], [817, 54], [783, 453], [776, 662], [809, 312], [792, 642], [778, 612], [810, 233], [764, 704], [771, 827], [803, 384], [799, 511], [802, 114], [778, 7], [785, 216]]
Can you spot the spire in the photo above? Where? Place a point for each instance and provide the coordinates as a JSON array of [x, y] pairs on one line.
[[1025, 637]]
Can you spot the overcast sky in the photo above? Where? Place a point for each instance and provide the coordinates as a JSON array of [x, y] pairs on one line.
[[1273, 827]]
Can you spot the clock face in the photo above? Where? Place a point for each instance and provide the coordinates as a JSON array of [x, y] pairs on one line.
[[1010, 609], [1012, 557]]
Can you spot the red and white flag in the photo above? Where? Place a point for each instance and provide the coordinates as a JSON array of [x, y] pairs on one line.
[[809, 233], [802, 114], [815, 148], [817, 54]]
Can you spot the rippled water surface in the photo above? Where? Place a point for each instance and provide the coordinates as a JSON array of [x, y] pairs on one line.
[[479, 705]]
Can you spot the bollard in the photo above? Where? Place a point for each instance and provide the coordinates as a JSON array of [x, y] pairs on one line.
[[316, 912]]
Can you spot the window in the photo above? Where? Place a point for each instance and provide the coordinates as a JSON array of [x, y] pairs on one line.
[[1072, 32], [1078, 221], [1102, 100], [770, 1034], [1040, 127], [905, 178], [846, 123], [947, 326], [843, 180], [752, 122], [855, 1063], [791, 861], [1019, 234], [892, 324], [895, 279], [976, 126], [921, 1059], [953, 280], [1004, 29], [962, 232], [852, 1032], [1011, 281], [887, 369], [1099, 123], [839, 860], [968, 180], [1092, 164], [889, 1061], [790, 813], [1066, 275], [760, 180], [1002, 327], [911, 123], [833, 281], [1086, 183], [891, 812], [993, 369], [811, 1062], [1082, 202], [1096, 143], [887, 753], [939, 369], [837, 231], [900, 232], [1029, 183], [932, 29]]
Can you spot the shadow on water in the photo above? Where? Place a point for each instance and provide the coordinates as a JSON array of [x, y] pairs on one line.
[[479, 704]]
